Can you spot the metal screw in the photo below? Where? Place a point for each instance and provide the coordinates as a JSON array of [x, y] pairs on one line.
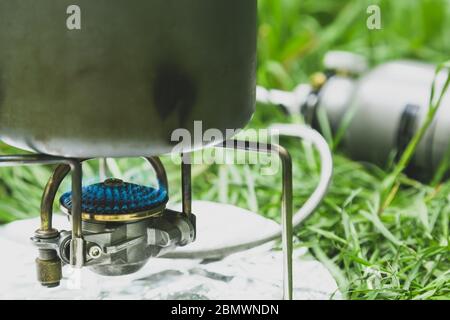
[[95, 252]]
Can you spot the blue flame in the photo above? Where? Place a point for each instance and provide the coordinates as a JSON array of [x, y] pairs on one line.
[[100, 198]]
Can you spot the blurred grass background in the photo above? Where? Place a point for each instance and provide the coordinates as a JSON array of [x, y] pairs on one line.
[[402, 254]]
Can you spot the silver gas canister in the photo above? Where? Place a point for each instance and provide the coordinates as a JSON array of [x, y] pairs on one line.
[[385, 108], [379, 110]]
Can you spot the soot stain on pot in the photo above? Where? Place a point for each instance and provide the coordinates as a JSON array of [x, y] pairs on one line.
[[174, 92]]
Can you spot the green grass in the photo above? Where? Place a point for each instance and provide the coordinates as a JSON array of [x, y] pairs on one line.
[[402, 253]]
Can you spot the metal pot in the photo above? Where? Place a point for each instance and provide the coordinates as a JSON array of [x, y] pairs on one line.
[[135, 71]]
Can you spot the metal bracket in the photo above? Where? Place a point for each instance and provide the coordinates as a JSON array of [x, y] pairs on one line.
[[286, 207]]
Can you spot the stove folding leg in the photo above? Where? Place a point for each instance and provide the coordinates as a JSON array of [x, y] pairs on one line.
[[77, 245], [186, 184], [286, 210]]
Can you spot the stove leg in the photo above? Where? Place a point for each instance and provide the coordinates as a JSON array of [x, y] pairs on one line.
[[186, 184], [77, 247], [286, 205], [102, 169]]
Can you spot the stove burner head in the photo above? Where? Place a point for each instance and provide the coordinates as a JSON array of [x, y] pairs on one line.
[[117, 201]]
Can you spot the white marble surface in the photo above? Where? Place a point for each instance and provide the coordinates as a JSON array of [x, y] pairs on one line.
[[253, 274]]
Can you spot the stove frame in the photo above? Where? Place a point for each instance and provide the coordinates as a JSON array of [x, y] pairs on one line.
[[77, 244]]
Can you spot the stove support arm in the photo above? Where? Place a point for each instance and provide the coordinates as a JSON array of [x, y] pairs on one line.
[[48, 263], [287, 229], [286, 202]]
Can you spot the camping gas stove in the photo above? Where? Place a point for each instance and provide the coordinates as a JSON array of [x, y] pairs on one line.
[[118, 226]]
